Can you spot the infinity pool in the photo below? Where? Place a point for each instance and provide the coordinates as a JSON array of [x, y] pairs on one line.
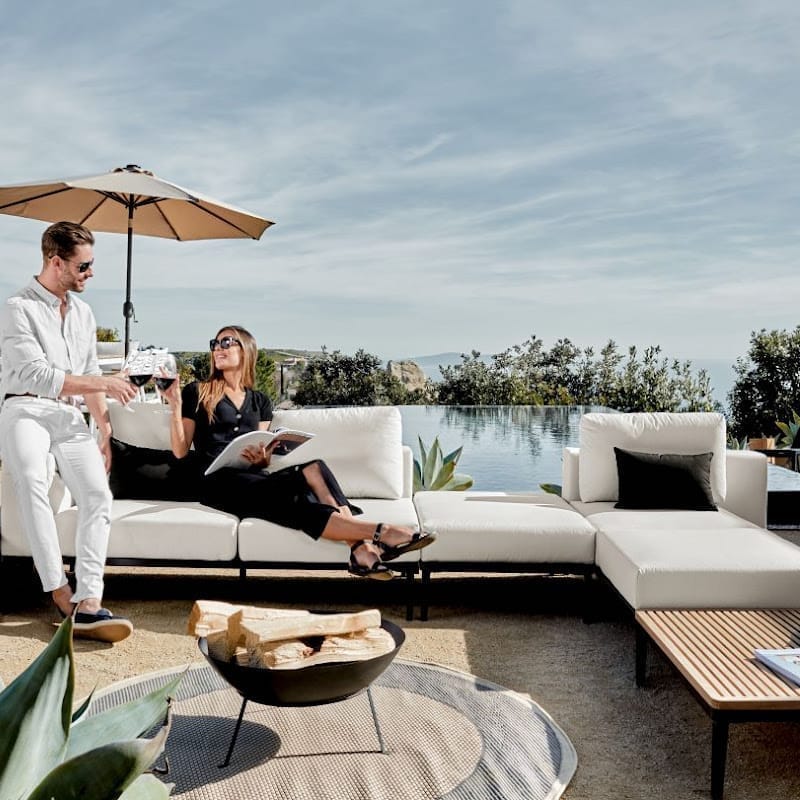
[[515, 448]]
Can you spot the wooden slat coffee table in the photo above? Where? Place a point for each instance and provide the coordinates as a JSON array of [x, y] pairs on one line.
[[713, 652]]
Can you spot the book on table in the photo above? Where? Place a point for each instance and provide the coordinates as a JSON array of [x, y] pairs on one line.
[[785, 662], [286, 440]]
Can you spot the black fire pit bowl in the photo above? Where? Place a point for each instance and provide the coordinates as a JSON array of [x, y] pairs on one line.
[[305, 686]]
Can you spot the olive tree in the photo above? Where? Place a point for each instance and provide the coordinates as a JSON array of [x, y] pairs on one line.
[[333, 378], [767, 385]]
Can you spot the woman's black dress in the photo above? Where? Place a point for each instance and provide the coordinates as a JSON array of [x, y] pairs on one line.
[[283, 497]]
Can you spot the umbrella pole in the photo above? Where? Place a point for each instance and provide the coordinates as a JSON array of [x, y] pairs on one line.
[[127, 307]]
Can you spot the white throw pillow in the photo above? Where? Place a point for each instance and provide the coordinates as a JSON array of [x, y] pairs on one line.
[[657, 432], [141, 424], [362, 446]]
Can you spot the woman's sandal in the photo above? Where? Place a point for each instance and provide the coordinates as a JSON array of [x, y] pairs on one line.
[[377, 571], [389, 552]]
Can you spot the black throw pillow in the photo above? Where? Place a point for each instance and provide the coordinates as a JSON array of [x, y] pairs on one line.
[[666, 480], [140, 473]]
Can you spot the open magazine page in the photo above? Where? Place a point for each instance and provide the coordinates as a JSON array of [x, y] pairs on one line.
[[231, 456], [784, 662]]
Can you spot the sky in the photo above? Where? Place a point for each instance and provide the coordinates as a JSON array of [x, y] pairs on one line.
[[443, 176]]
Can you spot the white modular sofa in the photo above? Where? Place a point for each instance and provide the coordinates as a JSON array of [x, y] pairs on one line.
[[653, 558], [363, 447]]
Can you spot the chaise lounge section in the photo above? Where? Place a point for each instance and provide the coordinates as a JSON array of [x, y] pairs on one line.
[[681, 557], [652, 557]]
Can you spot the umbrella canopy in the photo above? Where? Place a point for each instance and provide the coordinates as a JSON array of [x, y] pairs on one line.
[[127, 200]]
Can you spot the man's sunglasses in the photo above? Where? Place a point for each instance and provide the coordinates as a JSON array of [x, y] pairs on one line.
[[225, 343], [83, 266]]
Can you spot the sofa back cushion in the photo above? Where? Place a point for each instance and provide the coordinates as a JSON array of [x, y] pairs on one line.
[[141, 424], [657, 432], [362, 446]]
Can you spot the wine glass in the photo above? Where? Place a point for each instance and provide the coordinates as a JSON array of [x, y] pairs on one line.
[[165, 371], [139, 366]]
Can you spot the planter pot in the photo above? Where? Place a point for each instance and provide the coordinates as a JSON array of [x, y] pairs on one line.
[[764, 443]]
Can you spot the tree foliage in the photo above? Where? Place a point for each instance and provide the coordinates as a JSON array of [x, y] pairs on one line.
[[333, 378], [767, 385], [568, 375], [107, 334]]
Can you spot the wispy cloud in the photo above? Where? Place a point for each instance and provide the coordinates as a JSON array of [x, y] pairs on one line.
[[489, 170]]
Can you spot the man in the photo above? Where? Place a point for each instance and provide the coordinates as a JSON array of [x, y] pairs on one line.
[[48, 346]]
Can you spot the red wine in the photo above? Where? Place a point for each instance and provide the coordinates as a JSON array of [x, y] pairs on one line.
[[139, 380], [164, 383]]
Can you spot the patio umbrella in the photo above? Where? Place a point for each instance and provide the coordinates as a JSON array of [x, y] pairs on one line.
[[129, 199]]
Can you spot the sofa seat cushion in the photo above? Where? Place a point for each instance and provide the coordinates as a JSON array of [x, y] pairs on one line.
[[660, 432], [160, 529], [362, 446], [605, 517], [745, 567], [485, 527], [260, 540]]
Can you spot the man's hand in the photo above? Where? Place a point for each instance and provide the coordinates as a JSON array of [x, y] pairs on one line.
[[120, 388]]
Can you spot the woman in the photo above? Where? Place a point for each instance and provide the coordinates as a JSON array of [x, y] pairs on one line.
[[209, 414]]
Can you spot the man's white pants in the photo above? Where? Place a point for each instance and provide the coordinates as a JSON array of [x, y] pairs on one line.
[[30, 428]]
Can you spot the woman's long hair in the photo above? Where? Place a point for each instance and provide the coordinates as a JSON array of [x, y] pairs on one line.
[[211, 391]]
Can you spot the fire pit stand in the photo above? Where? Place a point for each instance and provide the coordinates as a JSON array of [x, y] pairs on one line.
[[306, 686], [378, 733]]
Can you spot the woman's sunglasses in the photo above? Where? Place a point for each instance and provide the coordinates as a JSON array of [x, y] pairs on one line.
[[225, 343]]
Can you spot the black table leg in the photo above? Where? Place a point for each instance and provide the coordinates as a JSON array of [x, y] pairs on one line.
[[409, 575], [641, 656], [719, 754], [235, 734]]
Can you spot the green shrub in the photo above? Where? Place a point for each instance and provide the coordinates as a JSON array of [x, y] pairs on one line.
[[47, 751]]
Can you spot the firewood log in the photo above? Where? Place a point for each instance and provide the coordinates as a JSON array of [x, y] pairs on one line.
[[218, 645], [212, 615], [274, 655], [257, 631], [356, 646]]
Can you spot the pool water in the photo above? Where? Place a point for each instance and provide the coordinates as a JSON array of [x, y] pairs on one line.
[[515, 448], [506, 448]]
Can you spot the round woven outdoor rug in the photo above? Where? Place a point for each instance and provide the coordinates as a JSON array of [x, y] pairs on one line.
[[446, 734]]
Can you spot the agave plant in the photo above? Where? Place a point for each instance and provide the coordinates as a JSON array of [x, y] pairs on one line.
[[47, 751], [437, 472], [737, 444], [789, 430], [551, 488]]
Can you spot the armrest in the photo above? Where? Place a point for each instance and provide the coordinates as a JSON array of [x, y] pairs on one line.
[[746, 481], [570, 490], [408, 471]]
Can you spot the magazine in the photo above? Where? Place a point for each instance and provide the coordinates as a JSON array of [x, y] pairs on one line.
[[232, 456], [784, 662]]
